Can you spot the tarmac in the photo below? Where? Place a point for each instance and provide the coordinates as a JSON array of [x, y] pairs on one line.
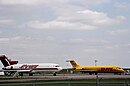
[[69, 76], [66, 80]]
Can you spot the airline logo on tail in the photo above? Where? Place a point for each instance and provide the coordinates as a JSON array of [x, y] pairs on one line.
[[6, 62], [73, 63]]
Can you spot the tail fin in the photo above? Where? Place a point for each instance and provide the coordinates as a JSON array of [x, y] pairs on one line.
[[6, 61], [73, 63]]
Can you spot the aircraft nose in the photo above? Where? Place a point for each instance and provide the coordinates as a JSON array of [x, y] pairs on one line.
[[60, 68], [122, 71]]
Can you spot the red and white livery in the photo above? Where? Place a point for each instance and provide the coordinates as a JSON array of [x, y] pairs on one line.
[[11, 67]]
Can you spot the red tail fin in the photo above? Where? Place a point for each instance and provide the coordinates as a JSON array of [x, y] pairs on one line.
[[6, 61]]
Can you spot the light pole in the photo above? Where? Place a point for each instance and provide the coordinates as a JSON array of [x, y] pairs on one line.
[[95, 62], [97, 78]]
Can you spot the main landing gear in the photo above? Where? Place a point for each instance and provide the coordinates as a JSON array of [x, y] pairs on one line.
[[54, 74]]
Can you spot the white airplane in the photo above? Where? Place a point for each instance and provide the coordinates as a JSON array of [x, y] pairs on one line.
[[11, 67]]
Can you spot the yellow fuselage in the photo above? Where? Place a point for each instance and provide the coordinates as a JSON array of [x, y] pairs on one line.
[[100, 69]]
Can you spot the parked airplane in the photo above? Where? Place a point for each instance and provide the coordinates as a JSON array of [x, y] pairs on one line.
[[11, 67], [96, 69]]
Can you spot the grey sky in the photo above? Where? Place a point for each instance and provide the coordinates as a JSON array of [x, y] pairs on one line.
[[57, 30]]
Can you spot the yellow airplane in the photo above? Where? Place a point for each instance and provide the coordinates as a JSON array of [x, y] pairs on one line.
[[96, 69]]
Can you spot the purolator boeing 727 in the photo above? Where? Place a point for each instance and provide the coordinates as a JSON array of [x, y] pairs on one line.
[[11, 67], [96, 69]]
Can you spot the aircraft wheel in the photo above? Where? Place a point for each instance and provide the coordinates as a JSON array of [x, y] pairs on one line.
[[90, 73], [54, 74], [30, 74], [96, 73], [6, 73], [20, 74]]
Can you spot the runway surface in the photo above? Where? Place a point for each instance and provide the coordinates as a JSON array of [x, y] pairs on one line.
[[71, 76]]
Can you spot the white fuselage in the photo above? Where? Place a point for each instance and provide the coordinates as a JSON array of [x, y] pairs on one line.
[[35, 67]]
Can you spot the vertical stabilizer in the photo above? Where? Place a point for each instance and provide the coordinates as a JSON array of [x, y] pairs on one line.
[[6, 62], [73, 63]]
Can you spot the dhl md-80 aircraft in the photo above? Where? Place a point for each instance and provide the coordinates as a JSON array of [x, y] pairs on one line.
[[11, 67], [95, 69]]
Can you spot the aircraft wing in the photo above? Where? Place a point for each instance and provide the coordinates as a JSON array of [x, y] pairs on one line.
[[87, 70]]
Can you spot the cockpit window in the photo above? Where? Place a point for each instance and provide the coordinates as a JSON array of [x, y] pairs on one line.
[[57, 66], [118, 68]]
